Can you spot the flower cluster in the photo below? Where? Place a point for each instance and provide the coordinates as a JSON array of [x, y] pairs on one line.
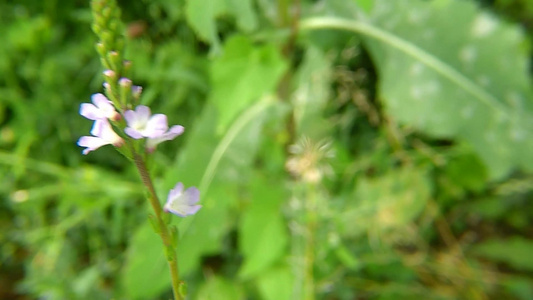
[[140, 124]]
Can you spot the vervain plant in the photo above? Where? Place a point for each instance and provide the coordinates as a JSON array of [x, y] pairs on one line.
[[120, 120]]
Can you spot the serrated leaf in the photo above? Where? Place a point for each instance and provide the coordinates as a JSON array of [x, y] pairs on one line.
[[515, 251], [262, 231], [242, 75]]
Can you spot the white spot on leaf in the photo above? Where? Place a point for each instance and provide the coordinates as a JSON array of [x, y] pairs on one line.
[[467, 112], [416, 92], [483, 26], [484, 80], [468, 54], [416, 16], [490, 137], [416, 69], [514, 99], [432, 87], [517, 134], [428, 34]]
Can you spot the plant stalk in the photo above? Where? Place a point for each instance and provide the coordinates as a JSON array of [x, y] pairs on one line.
[[163, 231]]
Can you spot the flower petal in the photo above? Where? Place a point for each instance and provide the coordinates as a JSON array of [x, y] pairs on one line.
[[182, 204], [143, 114], [90, 111], [133, 133], [191, 196], [156, 126], [100, 100], [175, 192], [167, 136], [91, 143]]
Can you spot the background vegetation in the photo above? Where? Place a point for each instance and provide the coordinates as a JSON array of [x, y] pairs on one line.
[[349, 149]]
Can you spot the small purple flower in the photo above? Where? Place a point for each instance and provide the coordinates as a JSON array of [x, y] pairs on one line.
[[103, 134], [136, 90], [141, 123], [172, 133], [183, 203], [101, 109]]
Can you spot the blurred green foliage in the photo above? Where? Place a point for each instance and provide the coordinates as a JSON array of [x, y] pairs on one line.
[[383, 152]]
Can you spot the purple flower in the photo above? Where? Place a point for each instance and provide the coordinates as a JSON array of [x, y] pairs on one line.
[[103, 134], [183, 203], [136, 90], [101, 109], [141, 123], [173, 132]]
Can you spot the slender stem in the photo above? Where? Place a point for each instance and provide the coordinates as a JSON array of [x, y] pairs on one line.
[[310, 222], [163, 228]]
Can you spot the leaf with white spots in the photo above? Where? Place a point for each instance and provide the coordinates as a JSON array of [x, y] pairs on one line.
[[466, 78], [463, 77]]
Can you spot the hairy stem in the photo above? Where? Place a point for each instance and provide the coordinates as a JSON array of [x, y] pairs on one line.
[[163, 231]]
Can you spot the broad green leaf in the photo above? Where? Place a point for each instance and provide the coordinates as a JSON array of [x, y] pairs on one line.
[[473, 85], [463, 77], [520, 286], [201, 16], [515, 251], [146, 272], [386, 202], [219, 166], [219, 288], [244, 12], [262, 232], [366, 5], [276, 283], [242, 75], [203, 234], [468, 172]]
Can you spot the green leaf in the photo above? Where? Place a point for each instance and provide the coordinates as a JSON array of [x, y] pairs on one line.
[[263, 236], [467, 171], [470, 82], [201, 16], [219, 165], [146, 273], [203, 233], [276, 283], [520, 286], [242, 75], [515, 251], [220, 288], [245, 13], [387, 202], [463, 77]]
